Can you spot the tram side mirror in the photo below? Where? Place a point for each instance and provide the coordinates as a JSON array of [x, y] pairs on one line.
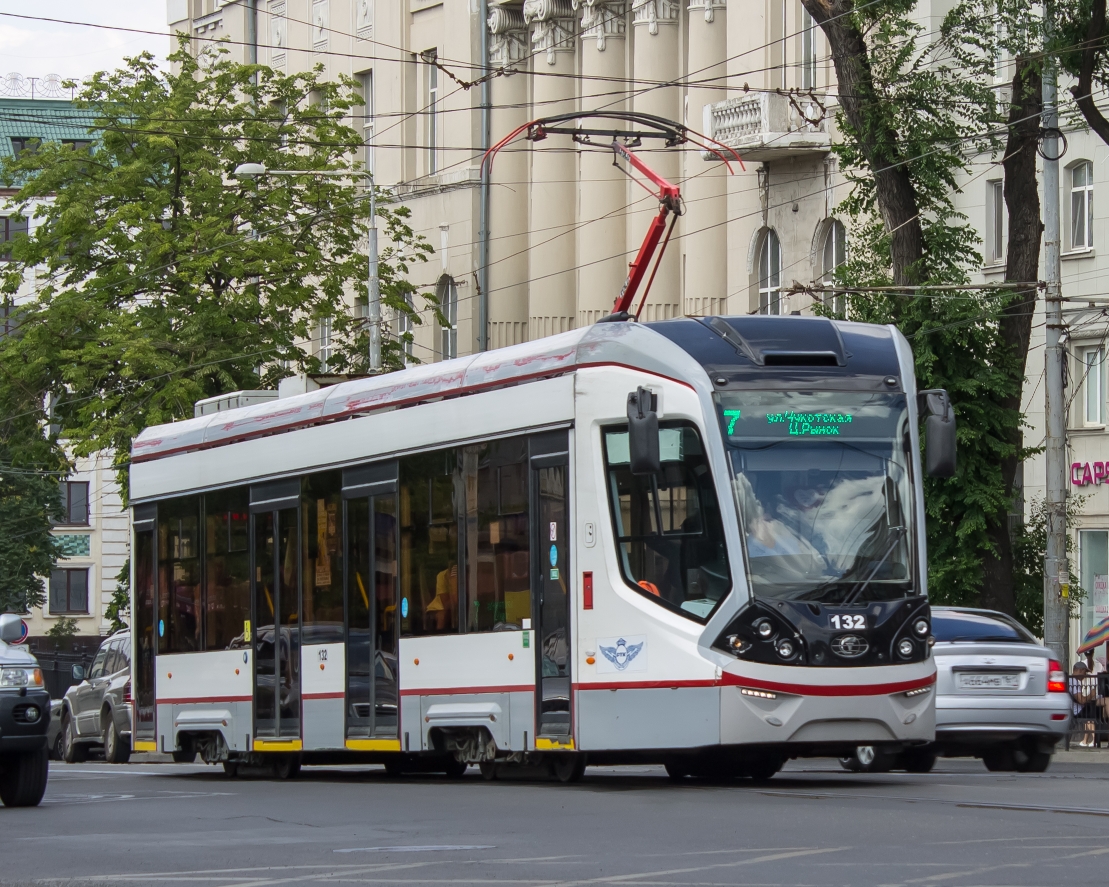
[[643, 448], [11, 628], [939, 433]]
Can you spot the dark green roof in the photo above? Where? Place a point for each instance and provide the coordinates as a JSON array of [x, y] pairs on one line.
[[46, 119]]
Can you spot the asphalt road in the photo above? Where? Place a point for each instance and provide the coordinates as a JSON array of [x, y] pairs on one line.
[[813, 824]]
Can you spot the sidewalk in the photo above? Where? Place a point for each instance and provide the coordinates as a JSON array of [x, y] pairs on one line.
[[1082, 755]]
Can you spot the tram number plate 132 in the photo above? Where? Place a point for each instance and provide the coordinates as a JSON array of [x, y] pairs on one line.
[[842, 621]]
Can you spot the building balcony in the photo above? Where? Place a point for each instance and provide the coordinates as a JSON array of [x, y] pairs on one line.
[[769, 126]]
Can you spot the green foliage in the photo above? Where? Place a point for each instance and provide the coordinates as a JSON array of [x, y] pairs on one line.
[[119, 608], [161, 279], [30, 468], [1029, 550], [936, 97], [62, 630]]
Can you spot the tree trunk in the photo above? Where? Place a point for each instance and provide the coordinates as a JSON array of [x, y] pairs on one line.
[[1022, 264], [865, 111]]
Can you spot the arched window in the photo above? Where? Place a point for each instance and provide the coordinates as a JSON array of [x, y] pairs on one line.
[[1082, 205], [446, 291], [770, 274], [833, 255]]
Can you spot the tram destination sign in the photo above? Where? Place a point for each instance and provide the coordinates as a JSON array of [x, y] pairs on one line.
[[785, 415]]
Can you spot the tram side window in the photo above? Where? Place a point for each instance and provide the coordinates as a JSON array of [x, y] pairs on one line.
[[498, 587], [430, 494], [179, 598], [669, 532], [227, 568], [322, 558]]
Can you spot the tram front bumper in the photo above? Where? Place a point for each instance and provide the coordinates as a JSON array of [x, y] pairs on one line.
[[828, 711]]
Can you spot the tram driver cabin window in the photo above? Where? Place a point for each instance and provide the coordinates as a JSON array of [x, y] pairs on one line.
[[669, 532]]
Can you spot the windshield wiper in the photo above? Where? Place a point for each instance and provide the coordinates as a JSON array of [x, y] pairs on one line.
[[854, 596]]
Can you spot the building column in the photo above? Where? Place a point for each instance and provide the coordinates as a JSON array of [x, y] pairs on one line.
[[551, 237], [656, 58], [602, 188], [705, 241], [508, 199]]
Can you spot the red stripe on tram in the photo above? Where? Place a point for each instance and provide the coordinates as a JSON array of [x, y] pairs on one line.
[[338, 695], [455, 691], [734, 680]]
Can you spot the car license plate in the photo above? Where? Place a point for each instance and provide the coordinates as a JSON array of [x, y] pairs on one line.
[[986, 681]]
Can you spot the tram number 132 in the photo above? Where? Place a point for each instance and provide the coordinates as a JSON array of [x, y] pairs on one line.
[[838, 621]]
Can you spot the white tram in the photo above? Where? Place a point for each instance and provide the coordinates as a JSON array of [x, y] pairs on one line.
[[698, 541]]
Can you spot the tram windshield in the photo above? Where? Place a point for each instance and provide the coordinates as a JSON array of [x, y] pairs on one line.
[[822, 483]]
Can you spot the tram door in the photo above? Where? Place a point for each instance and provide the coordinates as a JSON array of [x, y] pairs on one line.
[[372, 693], [550, 471], [275, 592]]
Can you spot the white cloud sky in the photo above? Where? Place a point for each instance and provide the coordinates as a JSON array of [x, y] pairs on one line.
[[36, 48]]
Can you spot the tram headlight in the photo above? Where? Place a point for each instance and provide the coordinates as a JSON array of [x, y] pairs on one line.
[[765, 628], [921, 627], [786, 649], [737, 644], [904, 648]]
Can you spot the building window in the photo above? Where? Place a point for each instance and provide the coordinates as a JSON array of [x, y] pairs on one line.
[[432, 109], [30, 144], [365, 117], [999, 52], [995, 222], [770, 274], [1093, 370], [69, 591], [404, 329], [1082, 206], [447, 293], [10, 229], [1093, 551], [833, 255], [325, 349], [75, 503], [808, 50]]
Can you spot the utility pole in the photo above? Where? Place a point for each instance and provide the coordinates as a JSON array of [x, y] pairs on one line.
[[1056, 571]]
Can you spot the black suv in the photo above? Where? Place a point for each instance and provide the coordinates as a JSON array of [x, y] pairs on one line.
[[24, 717]]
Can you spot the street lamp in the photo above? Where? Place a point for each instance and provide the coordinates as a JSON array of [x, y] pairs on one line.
[[373, 302]]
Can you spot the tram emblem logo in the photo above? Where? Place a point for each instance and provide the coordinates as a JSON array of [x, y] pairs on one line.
[[849, 646], [622, 654]]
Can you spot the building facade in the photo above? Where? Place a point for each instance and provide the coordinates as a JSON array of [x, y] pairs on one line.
[[93, 529]]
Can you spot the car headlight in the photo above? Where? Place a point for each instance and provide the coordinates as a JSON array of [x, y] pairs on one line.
[[20, 677]]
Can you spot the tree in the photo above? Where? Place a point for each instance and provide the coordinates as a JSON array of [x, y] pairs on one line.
[[913, 111], [161, 279]]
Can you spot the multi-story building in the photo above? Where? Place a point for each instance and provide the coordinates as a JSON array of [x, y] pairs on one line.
[[93, 528], [563, 222]]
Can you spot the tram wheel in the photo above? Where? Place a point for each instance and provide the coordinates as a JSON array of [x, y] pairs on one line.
[[568, 766], [287, 767], [393, 769], [488, 770], [455, 768], [762, 768], [231, 769], [678, 771]]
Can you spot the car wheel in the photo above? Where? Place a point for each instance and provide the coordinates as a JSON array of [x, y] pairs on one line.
[[867, 759], [287, 767], [918, 760], [58, 750], [23, 779], [73, 752], [116, 751], [568, 766], [1034, 762], [1000, 760]]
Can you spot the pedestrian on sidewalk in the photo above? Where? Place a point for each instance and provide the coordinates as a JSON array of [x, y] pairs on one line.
[[1083, 691]]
